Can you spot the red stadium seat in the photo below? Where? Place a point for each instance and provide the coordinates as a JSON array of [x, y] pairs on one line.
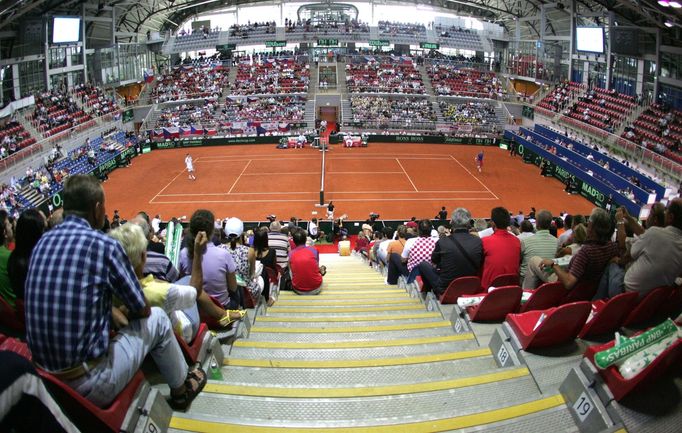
[[673, 306], [496, 304], [208, 320], [87, 416], [504, 280], [621, 387], [12, 318], [560, 325], [191, 350], [648, 306], [581, 292], [458, 287], [546, 296], [609, 315]]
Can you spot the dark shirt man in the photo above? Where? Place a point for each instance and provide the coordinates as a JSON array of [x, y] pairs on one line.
[[450, 260]]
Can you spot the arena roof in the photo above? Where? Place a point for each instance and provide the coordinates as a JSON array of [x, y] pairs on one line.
[[135, 16]]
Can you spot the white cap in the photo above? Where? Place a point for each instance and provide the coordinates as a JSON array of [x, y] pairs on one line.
[[234, 226]]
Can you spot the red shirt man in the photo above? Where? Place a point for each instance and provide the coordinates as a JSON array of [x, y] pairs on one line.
[[501, 250], [306, 275]]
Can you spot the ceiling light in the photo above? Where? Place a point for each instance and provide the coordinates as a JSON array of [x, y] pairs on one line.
[[664, 3], [669, 24], [675, 4]]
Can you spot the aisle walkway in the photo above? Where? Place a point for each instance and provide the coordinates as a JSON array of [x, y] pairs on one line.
[[363, 356]]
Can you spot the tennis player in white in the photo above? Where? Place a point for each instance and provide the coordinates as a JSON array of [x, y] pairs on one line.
[[190, 166]]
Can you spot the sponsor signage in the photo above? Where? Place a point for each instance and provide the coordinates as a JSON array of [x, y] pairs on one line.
[[327, 42], [275, 44], [379, 43], [429, 45]]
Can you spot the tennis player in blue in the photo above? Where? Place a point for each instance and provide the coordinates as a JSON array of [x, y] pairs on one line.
[[479, 161]]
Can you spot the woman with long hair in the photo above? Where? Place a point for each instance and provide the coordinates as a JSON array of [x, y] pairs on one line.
[[30, 227], [267, 256]]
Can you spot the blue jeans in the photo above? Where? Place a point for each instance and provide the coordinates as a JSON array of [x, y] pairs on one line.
[[154, 335], [611, 282]]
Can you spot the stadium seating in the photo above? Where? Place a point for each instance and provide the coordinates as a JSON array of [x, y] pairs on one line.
[[272, 75], [192, 349], [12, 318], [608, 316], [385, 75], [496, 304], [648, 306], [459, 287], [558, 325], [583, 291], [546, 296], [393, 112], [672, 307], [449, 80], [504, 280]]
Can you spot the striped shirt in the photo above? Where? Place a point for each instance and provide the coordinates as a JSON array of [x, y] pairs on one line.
[[589, 264], [73, 274], [160, 266], [280, 243], [541, 244]]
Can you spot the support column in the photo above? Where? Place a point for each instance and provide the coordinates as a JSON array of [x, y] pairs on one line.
[[84, 46], [16, 90], [657, 74], [609, 56], [571, 48], [639, 85]]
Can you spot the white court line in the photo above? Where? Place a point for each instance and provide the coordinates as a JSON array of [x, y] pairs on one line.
[[278, 157], [477, 180], [340, 200], [317, 172], [169, 183], [239, 177], [407, 175], [281, 174], [331, 158], [445, 191]]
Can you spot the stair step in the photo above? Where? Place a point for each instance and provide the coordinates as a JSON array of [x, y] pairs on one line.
[[360, 357], [347, 377], [421, 412], [267, 343], [300, 390]]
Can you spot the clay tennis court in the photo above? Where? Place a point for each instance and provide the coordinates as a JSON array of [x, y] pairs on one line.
[[395, 180]]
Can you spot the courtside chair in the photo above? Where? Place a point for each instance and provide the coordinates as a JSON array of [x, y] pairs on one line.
[[608, 316], [496, 304], [459, 287], [560, 325], [548, 295], [648, 306]]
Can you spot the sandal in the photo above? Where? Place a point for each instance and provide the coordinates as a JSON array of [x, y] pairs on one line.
[[227, 320], [194, 383]]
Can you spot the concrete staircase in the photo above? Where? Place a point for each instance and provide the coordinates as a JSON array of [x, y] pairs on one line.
[[366, 356], [427, 81], [341, 78], [309, 116], [346, 111], [314, 84], [22, 118]]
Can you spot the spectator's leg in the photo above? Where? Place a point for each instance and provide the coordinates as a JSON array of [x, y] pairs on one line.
[[127, 350], [534, 273], [430, 276], [396, 268]]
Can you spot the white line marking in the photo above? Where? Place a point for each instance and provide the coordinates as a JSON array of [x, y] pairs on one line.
[[317, 192], [406, 175], [167, 185], [477, 180], [313, 199], [239, 177]]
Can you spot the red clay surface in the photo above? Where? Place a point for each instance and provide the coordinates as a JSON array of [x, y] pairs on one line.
[[395, 180]]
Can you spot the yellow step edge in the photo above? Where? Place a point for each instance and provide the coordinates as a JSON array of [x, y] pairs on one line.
[[357, 363], [354, 283], [447, 424], [347, 319], [342, 309], [339, 330], [370, 391], [327, 296], [351, 344], [306, 300]]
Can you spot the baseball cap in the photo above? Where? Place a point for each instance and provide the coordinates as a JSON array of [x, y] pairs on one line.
[[234, 227]]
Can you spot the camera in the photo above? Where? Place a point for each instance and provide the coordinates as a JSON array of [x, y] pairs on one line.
[[373, 216]]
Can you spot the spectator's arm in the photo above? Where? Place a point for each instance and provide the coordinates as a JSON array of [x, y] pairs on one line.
[[197, 278]]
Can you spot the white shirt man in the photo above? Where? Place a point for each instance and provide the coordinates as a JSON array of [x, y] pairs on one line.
[[190, 166]]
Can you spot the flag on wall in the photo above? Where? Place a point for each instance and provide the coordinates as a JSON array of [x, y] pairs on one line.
[[148, 75]]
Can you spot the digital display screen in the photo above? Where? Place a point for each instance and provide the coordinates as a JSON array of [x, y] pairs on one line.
[[66, 29], [589, 39]]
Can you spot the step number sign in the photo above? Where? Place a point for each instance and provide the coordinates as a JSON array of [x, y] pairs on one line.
[[583, 406]]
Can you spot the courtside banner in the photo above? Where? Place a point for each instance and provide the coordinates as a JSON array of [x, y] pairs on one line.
[[432, 139], [197, 142]]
